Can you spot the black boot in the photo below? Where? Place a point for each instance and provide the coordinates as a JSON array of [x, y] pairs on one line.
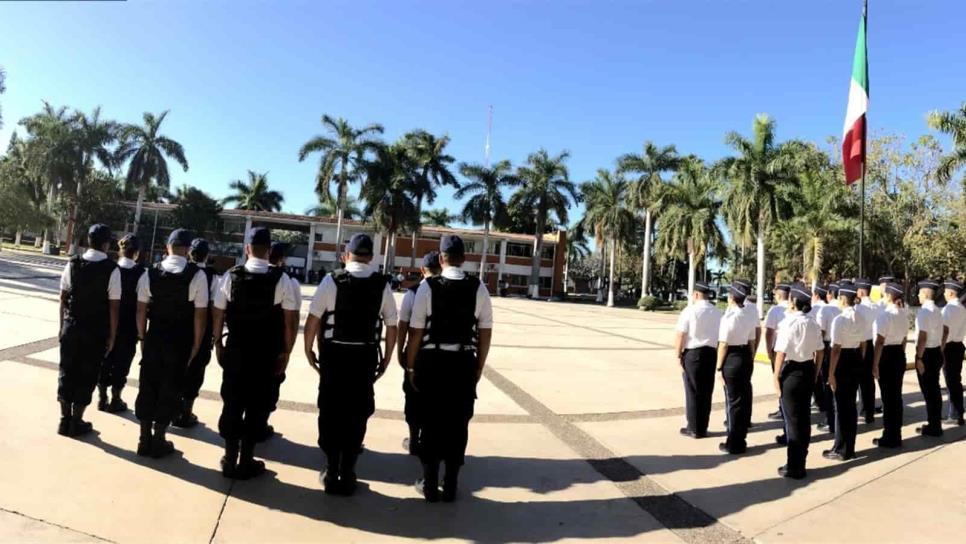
[[102, 403], [248, 466], [144, 442], [116, 405], [63, 428], [160, 445], [347, 473], [450, 480], [187, 418], [430, 482], [78, 426], [229, 463], [330, 477]]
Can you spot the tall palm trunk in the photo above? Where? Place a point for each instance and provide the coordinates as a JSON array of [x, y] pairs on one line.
[[816, 260], [486, 243], [17, 236], [340, 211], [761, 272], [419, 218], [646, 257], [610, 282], [72, 222], [142, 190], [692, 269], [50, 209], [537, 252], [600, 273]]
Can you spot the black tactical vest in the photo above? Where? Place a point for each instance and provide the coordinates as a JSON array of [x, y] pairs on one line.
[[87, 304], [209, 276], [170, 307], [453, 317], [358, 303], [252, 315], [127, 318]]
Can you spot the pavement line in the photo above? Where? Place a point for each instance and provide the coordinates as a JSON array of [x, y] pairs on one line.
[[573, 348], [29, 348], [593, 329], [688, 522], [221, 512], [52, 524], [647, 414]]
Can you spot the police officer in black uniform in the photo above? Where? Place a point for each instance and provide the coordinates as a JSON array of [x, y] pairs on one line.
[[276, 257], [449, 340], [90, 297], [195, 377], [430, 268], [255, 300], [117, 364], [346, 316], [172, 317]]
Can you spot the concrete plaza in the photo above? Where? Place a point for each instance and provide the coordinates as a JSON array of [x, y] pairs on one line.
[[575, 438]]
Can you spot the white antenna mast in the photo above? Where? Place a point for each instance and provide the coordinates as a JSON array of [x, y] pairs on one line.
[[489, 129]]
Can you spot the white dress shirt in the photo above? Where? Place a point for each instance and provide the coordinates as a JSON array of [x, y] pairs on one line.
[[892, 324], [215, 283], [406, 306], [197, 289], [867, 312], [828, 313], [848, 330], [126, 263], [930, 320], [700, 322], [799, 338], [254, 265], [92, 255], [776, 314], [325, 294], [737, 327], [954, 317], [816, 311]]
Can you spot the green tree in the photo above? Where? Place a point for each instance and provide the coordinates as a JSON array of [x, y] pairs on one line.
[[578, 249], [328, 209], [196, 211], [689, 221], [254, 195], [388, 196], [344, 151], [606, 200], [24, 199], [649, 165], [485, 205], [757, 176], [93, 138], [439, 217], [547, 190], [147, 151], [3, 89], [432, 164]]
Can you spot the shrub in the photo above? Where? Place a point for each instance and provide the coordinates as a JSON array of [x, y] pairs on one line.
[[680, 305], [648, 303]]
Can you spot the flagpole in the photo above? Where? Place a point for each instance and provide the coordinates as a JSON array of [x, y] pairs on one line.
[[862, 225], [865, 138]]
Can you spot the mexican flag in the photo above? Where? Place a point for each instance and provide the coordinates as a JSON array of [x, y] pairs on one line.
[[855, 131]]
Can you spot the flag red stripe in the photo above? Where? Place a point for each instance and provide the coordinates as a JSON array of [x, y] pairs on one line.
[[853, 151]]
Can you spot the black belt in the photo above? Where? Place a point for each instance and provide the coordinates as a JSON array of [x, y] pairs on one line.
[[739, 347]]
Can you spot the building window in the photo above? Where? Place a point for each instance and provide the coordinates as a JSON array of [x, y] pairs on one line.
[[516, 249], [517, 280], [318, 236], [476, 247]]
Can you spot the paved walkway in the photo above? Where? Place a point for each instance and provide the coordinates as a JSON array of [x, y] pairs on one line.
[[575, 438]]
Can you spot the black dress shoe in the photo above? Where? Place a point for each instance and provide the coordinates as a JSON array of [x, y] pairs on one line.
[[63, 428], [883, 443], [833, 455], [781, 439], [117, 406], [184, 421], [784, 472], [684, 431], [723, 447], [776, 415], [878, 409], [701, 434], [267, 434], [249, 469], [822, 427], [926, 430]]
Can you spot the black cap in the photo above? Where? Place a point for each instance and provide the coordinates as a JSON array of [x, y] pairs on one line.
[[801, 293], [887, 279], [738, 291], [895, 289], [834, 289], [278, 249], [99, 234], [953, 284], [260, 236], [452, 244], [928, 284], [702, 287], [199, 247], [431, 260], [129, 242], [179, 237], [744, 283], [360, 244], [847, 288], [863, 283], [820, 290], [783, 287]]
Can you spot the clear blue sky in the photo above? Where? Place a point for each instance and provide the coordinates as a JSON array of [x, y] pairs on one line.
[[247, 82]]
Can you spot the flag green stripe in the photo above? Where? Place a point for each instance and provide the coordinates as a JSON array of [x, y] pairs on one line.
[[860, 70]]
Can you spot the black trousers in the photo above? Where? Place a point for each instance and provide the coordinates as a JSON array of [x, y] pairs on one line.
[[867, 381], [847, 374], [81, 354], [412, 409], [346, 398], [932, 360], [699, 365], [797, 380], [275, 392], [828, 396], [953, 373], [117, 364], [892, 367], [246, 389], [737, 377], [195, 376], [447, 389], [163, 365]]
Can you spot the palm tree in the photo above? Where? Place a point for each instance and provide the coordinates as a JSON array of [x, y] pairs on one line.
[[148, 151], [52, 153], [327, 208], [388, 194], [690, 216], [93, 139], [439, 217], [577, 248], [547, 190], [486, 204], [759, 175], [606, 199], [343, 151], [432, 170], [254, 195], [952, 123], [650, 164]]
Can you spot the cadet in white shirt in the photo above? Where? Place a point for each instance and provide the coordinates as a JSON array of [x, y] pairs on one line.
[[736, 336], [845, 368], [798, 352], [889, 365], [696, 345], [173, 297], [90, 295], [430, 268], [773, 320], [884, 282], [818, 302], [929, 357], [346, 316], [954, 321], [195, 377], [867, 311], [117, 363]]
